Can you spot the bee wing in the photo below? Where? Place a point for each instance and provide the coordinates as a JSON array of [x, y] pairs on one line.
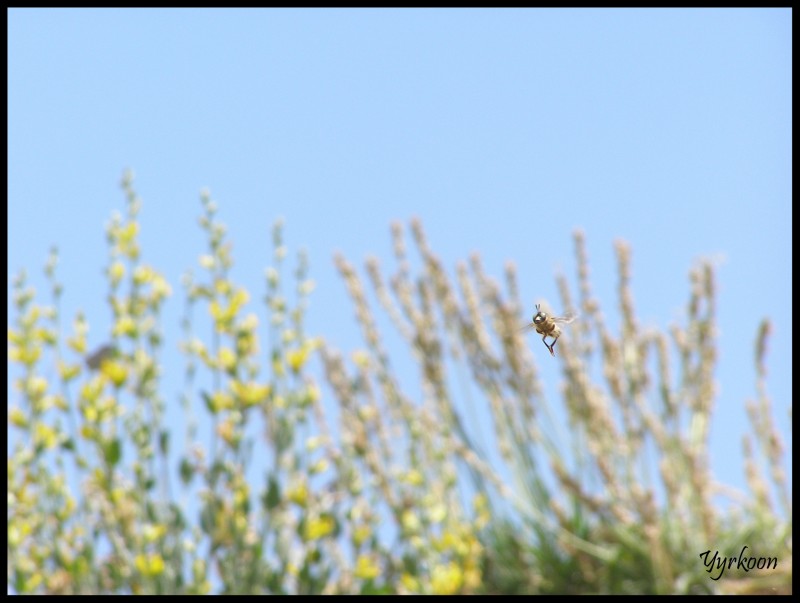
[[571, 316], [527, 328]]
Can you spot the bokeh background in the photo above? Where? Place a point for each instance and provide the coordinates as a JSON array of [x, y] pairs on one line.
[[501, 130]]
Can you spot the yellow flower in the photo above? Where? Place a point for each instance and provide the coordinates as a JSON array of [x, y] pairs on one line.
[[319, 467], [78, 343], [360, 534], [88, 432], [90, 392], [313, 442], [246, 342], [116, 272], [30, 319], [250, 393], [410, 583], [17, 417], [446, 542], [36, 387], [221, 401], [227, 359], [240, 298], [313, 394], [414, 478], [128, 234], [367, 412], [68, 372], [277, 366], [410, 521], [215, 309], [50, 400], [297, 358], [472, 579], [14, 535], [366, 568], [46, 335], [241, 495], [319, 527], [114, 371], [446, 579], [222, 286], [118, 495], [361, 359], [45, 436], [161, 288], [27, 355], [32, 583], [298, 494], [126, 239], [125, 325], [150, 565], [142, 275], [223, 316], [437, 512], [153, 532]]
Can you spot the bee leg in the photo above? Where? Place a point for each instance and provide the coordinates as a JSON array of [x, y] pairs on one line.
[[545, 343], [549, 347], [552, 345]]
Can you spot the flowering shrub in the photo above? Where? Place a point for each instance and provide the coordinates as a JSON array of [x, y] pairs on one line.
[[339, 481]]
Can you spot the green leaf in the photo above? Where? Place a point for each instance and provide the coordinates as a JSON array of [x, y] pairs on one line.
[[113, 452], [186, 471], [272, 497], [209, 403]]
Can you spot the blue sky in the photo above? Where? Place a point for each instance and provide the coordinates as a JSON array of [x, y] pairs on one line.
[[502, 130]]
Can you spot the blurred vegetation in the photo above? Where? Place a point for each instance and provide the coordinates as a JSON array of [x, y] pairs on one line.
[[302, 470]]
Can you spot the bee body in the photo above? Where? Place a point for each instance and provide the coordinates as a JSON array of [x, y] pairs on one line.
[[547, 326]]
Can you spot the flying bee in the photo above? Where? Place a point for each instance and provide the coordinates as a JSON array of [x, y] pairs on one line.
[[547, 326], [104, 352]]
